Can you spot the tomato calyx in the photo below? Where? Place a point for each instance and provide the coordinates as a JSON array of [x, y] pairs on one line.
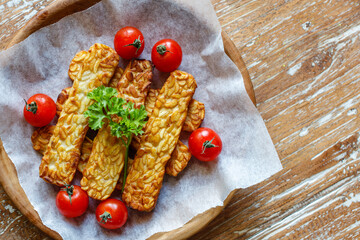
[[69, 189], [161, 49], [137, 43], [105, 217], [208, 144], [31, 107]]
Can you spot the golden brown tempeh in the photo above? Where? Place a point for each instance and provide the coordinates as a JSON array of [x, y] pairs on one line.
[[103, 168], [181, 155], [195, 115], [65, 92], [41, 137], [88, 69], [179, 159], [194, 118], [107, 156], [61, 99], [150, 100], [161, 134], [116, 78], [85, 154]]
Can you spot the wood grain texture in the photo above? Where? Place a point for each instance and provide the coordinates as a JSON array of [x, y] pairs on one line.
[[303, 59], [8, 178]]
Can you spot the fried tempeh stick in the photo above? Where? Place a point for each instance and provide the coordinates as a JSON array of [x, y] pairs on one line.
[[64, 95], [40, 139], [107, 156], [61, 99], [89, 69], [85, 154], [181, 155], [195, 115], [178, 160], [160, 136]]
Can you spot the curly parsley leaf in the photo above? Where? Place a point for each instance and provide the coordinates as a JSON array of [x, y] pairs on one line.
[[106, 104], [96, 116], [102, 95]]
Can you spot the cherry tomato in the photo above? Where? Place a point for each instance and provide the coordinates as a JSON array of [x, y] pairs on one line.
[[166, 55], [72, 201], [39, 110], [205, 144], [111, 213], [129, 42]]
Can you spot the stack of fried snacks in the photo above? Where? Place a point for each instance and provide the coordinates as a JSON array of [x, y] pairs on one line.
[[102, 160], [179, 158], [107, 157], [89, 70], [160, 137]]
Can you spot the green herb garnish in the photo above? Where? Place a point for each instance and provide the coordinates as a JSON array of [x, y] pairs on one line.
[[124, 119]]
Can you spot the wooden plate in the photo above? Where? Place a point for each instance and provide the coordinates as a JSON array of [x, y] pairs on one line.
[[8, 175]]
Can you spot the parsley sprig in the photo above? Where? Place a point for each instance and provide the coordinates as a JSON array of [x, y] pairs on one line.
[[124, 119]]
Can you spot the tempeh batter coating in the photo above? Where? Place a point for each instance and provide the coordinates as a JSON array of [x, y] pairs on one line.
[[41, 137], [194, 117], [161, 134], [178, 160], [85, 154], [106, 160], [89, 70]]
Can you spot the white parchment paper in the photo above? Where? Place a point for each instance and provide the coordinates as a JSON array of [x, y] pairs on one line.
[[40, 64]]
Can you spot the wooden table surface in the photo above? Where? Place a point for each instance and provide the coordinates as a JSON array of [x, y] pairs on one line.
[[304, 61]]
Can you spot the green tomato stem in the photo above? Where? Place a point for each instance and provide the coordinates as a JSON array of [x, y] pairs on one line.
[[137, 43], [208, 144], [161, 49], [105, 217], [69, 189], [31, 107]]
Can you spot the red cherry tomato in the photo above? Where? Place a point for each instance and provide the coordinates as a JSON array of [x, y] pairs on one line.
[[39, 110], [129, 42], [72, 201], [205, 144], [166, 55], [111, 213]]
